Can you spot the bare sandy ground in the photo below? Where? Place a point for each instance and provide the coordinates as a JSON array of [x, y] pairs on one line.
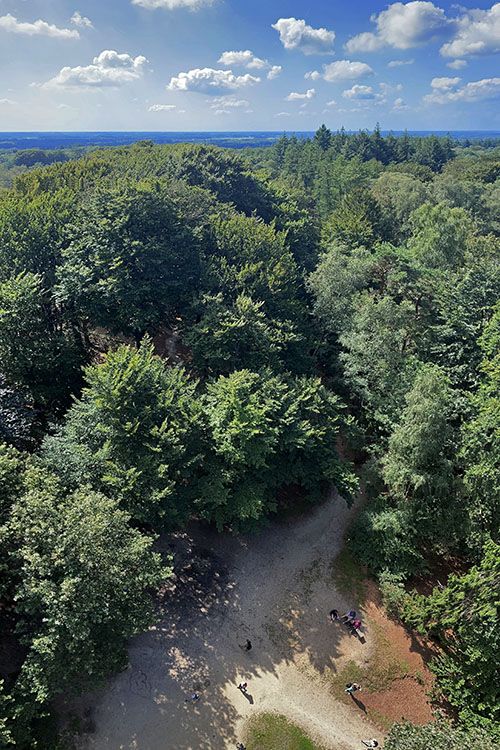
[[276, 589]]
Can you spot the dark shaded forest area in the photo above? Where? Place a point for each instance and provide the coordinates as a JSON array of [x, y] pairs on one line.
[[186, 332]]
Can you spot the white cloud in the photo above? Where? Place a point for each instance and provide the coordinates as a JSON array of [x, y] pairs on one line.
[[445, 82], [245, 58], [210, 81], [6, 102], [389, 88], [172, 4], [162, 107], [313, 75], [362, 93], [274, 72], [399, 105], [399, 63], [402, 26], [457, 64], [345, 70], [37, 28], [227, 102], [295, 34], [294, 96], [331, 103], [478, 34], [109, 69], [282, 114], [82, 21], [475, 91]]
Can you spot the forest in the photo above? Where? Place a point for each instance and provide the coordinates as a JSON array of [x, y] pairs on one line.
[[189, 332]]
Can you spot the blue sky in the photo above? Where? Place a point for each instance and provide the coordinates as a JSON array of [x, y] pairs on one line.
[[248, 65]]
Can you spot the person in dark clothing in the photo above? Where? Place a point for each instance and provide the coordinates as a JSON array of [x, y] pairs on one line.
[[334, 615]]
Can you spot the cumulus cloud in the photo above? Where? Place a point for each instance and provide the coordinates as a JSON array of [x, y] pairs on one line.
[[82, 21], [478, 33], [361, 93], [313, 75], [6, 102], [109, 69], [245, 58], [294, 96], [274, 72], [296, 34], [172, 4], [37, 28], [457, 64], [331, 103], [475, 91], [162, 107], [444, 82], [399, 105], [402, 26], [345, 70], [210, 81], [399, 63]]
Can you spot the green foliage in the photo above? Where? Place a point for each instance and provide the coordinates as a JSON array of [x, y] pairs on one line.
[[439, 236], [129, 264], [38, 349], [418, 467], [83, 593], [377, 357], [134, 434], [266, 432], [481, 444], [437, 736], [464, 617], [228, 337]]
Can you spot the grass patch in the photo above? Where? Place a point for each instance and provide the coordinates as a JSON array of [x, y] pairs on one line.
[[348, 576], [275, 732]]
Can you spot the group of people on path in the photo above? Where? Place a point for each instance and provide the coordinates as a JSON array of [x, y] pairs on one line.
[[350, 619]]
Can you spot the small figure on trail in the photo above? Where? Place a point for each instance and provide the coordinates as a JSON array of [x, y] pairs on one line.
[[349, 616], [352, 687], [334, 615], [240, 746], [243, 686], [370, 743], [247, 646], [356, 624], [192, 698]]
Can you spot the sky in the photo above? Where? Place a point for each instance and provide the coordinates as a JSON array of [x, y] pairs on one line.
[[248, 65]]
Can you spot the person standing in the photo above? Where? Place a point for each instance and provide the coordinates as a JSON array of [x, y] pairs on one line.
[[352, 687], [370, 743], [243, 687]]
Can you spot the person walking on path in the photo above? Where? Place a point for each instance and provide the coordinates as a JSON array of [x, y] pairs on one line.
[[352, 687], [240, 746], [243, 687], [334, 615], [370, 743], [192, 698]]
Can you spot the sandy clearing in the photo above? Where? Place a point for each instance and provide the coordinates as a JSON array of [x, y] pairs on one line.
[[274, 588]]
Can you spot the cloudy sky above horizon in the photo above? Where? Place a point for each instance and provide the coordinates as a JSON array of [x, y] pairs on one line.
[[248, 65]]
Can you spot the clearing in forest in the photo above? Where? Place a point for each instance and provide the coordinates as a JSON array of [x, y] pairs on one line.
[[276, 589]]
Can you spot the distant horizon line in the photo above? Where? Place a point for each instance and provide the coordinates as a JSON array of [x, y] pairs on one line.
[[280, 130]]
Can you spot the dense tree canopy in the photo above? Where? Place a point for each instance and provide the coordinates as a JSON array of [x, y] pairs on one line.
[[190, 333]]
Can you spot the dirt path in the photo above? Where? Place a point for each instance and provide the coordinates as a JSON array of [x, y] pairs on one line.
[[275, 588]]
